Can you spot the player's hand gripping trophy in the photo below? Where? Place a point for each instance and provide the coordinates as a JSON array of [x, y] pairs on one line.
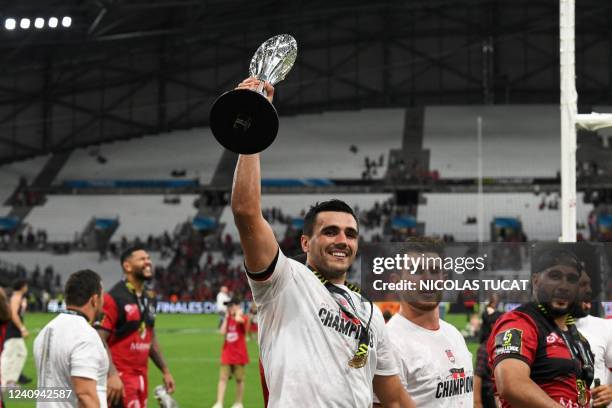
[[244, 120]]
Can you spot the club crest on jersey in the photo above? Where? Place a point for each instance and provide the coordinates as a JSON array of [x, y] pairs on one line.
[[552, 338], [456, 373], [509, 341], [131, 312], [451, 357]]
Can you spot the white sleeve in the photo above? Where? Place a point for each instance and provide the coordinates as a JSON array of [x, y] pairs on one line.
[[274, 280], [402, 370], [608, 351], [386, 361], [85, 359]]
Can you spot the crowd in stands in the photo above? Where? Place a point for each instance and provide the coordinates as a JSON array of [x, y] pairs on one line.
[[413, 172], [44, 285], [25, 195], [31, 239]]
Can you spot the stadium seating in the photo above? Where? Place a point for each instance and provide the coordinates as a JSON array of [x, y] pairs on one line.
[[64, 265], [139, 215], [317, 146], [313, 146], [150, 157], [294, 204], [445, 213], [517, 141], [11, 173]]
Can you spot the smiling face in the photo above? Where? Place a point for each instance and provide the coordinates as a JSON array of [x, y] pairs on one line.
[[422, 299], [332, 247], [557, 288], [139, 265]]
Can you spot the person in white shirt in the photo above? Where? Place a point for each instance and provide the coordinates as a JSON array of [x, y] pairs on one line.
[[435, 364], [68, 351], [222, 298], [598, 333], [321, 344]]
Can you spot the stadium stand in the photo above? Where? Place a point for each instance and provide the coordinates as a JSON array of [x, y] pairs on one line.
[[518, 141], [341, 140], [139, 215], [192, 151], [296, 205], [11, 174], [445, 213], [65, 264]]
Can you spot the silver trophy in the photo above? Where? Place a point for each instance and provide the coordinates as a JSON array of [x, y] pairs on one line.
[[164, 399], [244, 121]]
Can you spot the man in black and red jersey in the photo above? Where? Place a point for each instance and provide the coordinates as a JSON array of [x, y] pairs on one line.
[[538, 357], [127, 330]]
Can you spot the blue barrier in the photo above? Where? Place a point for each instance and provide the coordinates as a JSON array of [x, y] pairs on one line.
[[105, 223], [403, 222], [84, 184], [8, 224], [290, 182], [204, 223]]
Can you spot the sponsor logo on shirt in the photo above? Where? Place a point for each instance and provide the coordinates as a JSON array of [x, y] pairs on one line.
[[132, 312], [140, 346], [456, 383], [508, 342]]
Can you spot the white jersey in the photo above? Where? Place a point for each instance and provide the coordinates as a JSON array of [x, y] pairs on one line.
[[222, 298], [598, 333], [306, 342], [69, 347], [435, 365]]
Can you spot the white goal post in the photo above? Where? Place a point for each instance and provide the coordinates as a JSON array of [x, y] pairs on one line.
[[570, 120]]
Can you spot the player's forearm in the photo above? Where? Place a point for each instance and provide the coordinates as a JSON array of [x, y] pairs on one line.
[[88, 400], [526, 394], [477, 391], [112, 370], [246, 190], [157, 357]]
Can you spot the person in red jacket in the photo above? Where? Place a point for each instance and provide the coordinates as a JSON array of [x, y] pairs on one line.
[[234, 355]]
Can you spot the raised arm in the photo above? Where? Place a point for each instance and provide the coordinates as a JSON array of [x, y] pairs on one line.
[[256, 236]]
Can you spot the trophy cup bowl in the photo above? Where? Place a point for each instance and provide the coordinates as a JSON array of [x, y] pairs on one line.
[[243, 120]]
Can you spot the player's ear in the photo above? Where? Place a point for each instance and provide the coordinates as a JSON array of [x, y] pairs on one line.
[[305, 242]]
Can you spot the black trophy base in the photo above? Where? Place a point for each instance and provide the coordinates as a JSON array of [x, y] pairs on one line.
[[244, 121]]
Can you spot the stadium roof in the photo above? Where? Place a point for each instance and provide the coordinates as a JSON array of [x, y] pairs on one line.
[[128, 68]]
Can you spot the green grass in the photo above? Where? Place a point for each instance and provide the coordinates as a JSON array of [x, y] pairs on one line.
[[192, 348]]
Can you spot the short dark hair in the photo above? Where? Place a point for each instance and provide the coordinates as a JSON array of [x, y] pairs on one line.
[[424, 244], [330, 205], [81, 286], [554, 256], [129, 251], [19, 284]]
